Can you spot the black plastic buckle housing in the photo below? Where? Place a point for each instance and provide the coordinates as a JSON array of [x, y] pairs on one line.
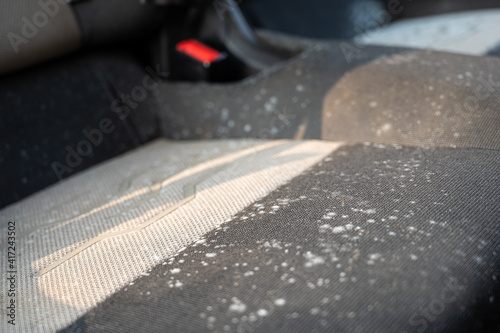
[[219, 24]]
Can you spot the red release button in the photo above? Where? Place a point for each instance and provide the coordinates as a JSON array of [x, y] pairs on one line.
[[198, 51]]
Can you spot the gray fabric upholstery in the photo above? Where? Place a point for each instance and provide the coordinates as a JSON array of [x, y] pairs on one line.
[[35, 30]]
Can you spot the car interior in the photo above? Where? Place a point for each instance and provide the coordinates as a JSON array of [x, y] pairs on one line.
[[250, 166]]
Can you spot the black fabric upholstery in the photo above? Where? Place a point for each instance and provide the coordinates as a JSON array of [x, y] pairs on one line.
[[278, 100], [340, 91], [373, 239], [45, 110]]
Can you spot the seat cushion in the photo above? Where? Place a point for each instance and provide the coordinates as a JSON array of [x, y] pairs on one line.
[[83, 239]]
